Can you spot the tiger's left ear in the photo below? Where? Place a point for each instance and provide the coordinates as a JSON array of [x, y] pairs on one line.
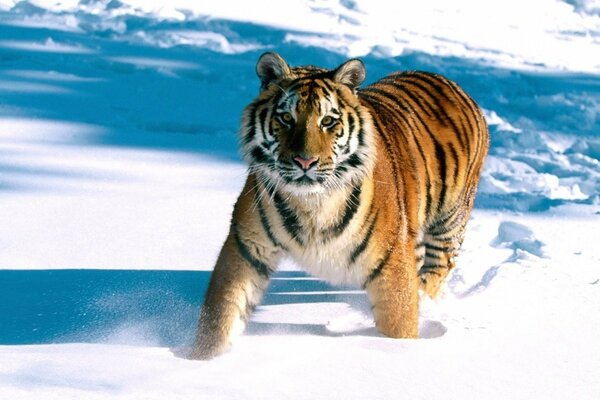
[[351, 73]]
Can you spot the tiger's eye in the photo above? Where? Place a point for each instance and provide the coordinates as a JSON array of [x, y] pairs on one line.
[[286, 117], [327, 121]]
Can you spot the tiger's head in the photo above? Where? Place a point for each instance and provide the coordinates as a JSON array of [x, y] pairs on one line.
[[307, 132]]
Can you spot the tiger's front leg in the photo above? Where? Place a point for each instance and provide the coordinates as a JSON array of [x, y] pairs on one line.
[[236, 287], [393, 290]]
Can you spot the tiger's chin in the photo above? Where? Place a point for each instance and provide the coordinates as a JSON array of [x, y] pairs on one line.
[[304, 188], [301, 185]]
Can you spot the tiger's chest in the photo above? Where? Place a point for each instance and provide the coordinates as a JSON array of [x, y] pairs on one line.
[[321, 236]]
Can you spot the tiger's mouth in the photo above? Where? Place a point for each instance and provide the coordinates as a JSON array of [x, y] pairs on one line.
[[302, 177], [303, 181]]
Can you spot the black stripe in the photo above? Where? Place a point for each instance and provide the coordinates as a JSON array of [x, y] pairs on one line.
[[428, 187], [434, 266], [352, 204], [450, 214], [431, 269], [479, 134], [404, 137], [463, 134], [251, 133], [432, 255], [412, 95], [444, 229], [373, 92], [431, 137], [439, 111], [448, 238], [365, 241], [441, 249], [388, 142], [259, 155], [378, 269], [252, 112], [441, 156], [327, 86], [455, 216], [412, 129], [262, 120], [467, 104], [289, 218], [341, 99], [455, 157], [351, 126], [353, 161], [296, 83], [260, 267], [361, 131], [434, 81], [265, 223]]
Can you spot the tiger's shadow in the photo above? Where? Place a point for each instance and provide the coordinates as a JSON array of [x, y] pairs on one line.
[[297, 288], [268, 328]]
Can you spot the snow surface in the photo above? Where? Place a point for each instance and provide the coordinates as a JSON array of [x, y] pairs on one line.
[[119, 168]]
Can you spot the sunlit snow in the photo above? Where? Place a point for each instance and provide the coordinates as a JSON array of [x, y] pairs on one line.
[[119, 168]]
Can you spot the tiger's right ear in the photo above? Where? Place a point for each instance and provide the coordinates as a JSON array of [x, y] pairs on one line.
[[351, 73], [270, 67]]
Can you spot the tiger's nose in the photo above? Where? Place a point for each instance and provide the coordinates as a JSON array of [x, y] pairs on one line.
[[305, 163]]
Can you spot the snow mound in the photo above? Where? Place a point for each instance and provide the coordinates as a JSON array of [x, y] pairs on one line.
[[519, 238], [506, 176]]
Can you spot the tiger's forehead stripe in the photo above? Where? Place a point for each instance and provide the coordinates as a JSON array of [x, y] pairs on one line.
[[314, 94]]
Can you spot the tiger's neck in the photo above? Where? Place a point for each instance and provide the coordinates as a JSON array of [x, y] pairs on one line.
[[322, 208], [320, 218]]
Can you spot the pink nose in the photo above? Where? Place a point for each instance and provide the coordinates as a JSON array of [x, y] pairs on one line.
[[304, 162]]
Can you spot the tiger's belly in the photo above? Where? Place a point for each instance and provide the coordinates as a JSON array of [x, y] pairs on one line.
[[329, 262]]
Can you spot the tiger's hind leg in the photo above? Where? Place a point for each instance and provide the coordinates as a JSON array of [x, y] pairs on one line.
[[441, 243]]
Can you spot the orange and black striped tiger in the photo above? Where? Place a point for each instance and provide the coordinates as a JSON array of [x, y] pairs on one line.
[[371, 187]]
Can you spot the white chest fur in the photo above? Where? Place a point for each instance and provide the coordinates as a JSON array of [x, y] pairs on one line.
[[318, 247]]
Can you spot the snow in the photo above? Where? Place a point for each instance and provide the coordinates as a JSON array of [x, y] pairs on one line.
[[119, 169]]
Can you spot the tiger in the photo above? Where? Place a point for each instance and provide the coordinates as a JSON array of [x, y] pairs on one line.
[[370, 187]]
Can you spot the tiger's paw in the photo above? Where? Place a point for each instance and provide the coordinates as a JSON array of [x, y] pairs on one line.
[[206, 349], [397, 331], [430, 283]]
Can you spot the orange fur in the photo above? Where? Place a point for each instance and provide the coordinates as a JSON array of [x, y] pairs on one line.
[[383, 207]]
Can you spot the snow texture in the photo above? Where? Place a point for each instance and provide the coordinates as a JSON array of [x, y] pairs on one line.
[[119, 168]]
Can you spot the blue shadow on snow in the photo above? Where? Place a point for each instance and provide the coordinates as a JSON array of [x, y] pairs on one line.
[[126, 306]]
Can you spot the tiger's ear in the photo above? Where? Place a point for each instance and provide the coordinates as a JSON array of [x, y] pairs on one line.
[[351, 73], [270, 67]]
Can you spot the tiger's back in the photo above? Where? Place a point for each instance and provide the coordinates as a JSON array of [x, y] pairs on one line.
[[435, 139], [371, 187]]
